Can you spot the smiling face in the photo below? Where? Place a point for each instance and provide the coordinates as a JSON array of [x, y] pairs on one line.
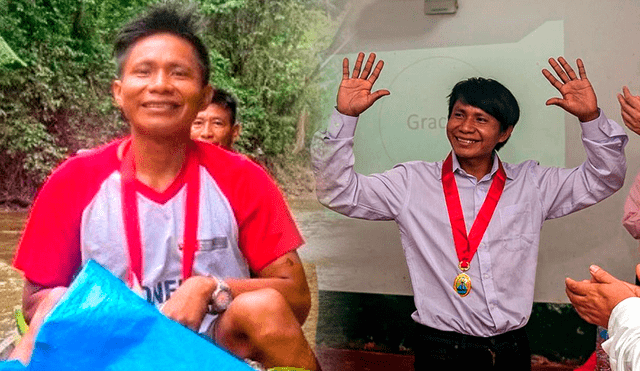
[[161, 89], [473, 133], [215, 125]]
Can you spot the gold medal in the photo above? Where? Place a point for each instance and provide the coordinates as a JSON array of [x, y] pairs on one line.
[[462, 284]]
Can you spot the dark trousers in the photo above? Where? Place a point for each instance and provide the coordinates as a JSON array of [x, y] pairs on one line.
[[443, 350]]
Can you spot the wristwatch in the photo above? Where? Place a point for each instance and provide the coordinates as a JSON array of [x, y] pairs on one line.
[[221, 297]]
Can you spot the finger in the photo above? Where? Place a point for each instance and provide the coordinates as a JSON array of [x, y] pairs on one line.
[[600, 275], [368, 65], [581, 70], [555, 102], [356, 67], [625, 107], [376, 72], [631, 99], [572, 286], [559, 71], [556, 84], [638, 271], [345, 69], [567, 67], [378, 94], [630, 122], [581, 288]]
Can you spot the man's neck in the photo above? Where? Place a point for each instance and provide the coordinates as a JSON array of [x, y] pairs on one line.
[[478, 167], [158, 161]]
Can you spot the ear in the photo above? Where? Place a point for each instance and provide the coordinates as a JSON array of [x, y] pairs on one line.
[[506, 134], [237, 130], [116, 91], [207, 94]]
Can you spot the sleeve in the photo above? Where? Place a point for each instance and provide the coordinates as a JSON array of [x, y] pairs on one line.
[[340, 188], [623, 345], [631, 218], [267, 229], [49, 250], [564, 191]]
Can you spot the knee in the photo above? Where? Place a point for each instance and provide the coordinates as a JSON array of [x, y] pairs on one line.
[[264, 315]]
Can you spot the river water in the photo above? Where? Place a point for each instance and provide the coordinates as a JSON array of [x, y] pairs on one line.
[[11, 224]]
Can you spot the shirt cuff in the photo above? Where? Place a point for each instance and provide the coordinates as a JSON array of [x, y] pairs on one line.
[[341, 126], [628, 308], [601, 129]]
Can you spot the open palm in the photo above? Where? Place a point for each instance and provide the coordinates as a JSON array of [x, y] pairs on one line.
[[354, 94], [578, 97]]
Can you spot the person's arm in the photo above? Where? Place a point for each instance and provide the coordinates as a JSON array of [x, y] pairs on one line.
[[32, 296], [190, 302], [268, 239], [623, 345], [568, 190], [630, 109], [49, 250], [631, 218], [338, 186]]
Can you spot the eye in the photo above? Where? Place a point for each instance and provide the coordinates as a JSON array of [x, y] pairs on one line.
[[197, 124], [457, 114], [180, 72], [142, 71]]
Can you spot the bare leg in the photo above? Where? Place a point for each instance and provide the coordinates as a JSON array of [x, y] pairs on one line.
[[260, 325], [24, 348]]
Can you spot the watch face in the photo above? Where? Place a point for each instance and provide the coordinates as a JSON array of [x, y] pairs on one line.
[[222, 298], [222, 301]]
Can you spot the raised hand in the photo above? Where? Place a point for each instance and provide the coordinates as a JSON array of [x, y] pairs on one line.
[[630, 110], [354, 94], [578, 97]]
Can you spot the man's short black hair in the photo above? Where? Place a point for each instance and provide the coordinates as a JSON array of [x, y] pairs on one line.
[[491, 97], [170, 17], [225, 100]]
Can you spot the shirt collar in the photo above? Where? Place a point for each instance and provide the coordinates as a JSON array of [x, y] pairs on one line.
[[494, 167]]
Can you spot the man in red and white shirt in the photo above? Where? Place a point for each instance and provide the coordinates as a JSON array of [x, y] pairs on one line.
[[186, 222]]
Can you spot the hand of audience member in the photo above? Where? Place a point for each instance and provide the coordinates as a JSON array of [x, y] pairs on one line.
[[630, 109], [190, 302], [578, 97], [594, 300], [354, 94]]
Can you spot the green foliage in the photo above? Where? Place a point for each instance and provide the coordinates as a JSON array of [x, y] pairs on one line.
[[269, 53], [59, 100]]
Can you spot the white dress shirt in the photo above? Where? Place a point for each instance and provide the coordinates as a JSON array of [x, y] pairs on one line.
[[503, 269]]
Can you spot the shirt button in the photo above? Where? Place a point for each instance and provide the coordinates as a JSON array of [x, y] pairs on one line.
[[485, 276]]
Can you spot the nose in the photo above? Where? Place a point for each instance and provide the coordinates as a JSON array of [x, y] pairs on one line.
[[207, 131], [467, 125], [160, 82]]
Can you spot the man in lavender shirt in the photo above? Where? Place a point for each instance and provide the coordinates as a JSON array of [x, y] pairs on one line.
[[477, 321]]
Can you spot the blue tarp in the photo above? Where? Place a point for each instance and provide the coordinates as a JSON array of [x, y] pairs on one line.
[[102, 325]]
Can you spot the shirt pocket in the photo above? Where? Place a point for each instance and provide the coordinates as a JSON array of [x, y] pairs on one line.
[[516, 227]]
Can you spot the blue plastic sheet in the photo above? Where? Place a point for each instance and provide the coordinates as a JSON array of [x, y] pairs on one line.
[[102, 325]]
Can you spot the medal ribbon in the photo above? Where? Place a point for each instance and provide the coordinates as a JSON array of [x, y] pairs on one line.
[[131, 216], [466, 246]]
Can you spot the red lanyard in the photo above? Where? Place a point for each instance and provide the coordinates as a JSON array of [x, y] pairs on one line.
[[131, 216], [466, 246]]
